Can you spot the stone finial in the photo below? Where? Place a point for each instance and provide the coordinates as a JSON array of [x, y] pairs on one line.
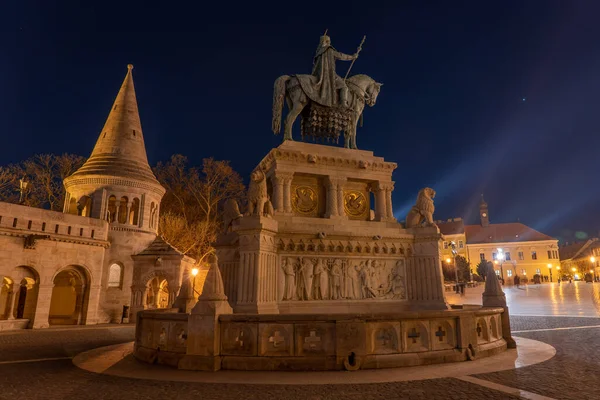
[[493, 296], [130, 66], [213, 300], [185, 300]]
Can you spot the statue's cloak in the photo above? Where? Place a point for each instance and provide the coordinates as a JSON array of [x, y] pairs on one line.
[[321, 86]]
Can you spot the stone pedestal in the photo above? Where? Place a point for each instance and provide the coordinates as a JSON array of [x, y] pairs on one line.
[[493, 296]]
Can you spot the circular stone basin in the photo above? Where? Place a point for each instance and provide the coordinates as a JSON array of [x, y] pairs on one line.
[[118, 360]]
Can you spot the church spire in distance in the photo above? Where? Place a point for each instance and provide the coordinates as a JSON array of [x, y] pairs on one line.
[[483, 213]]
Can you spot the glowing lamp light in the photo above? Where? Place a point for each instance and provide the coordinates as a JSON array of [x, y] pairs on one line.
[[558, 268], [448, 260], [573, 269], [195, 271], [593, 259], [549, 265], [591, 271]]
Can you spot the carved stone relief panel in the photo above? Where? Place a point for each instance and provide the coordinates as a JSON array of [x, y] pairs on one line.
[[482, 330], [384, 337], [311, 277], [239, 339], [177, 337], [315, 339], [443, 334], [147, 337], [307, 196], [356, 200], [160, 335], [276, 340], [351, 337], [415, 336]]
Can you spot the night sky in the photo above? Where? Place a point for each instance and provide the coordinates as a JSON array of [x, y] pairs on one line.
[[499, 99]]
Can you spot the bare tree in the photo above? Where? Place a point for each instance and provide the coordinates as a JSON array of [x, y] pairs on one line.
[[190, 212], [9, 184]]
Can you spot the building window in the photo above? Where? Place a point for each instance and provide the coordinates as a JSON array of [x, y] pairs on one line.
[[497, 272], [521, 256], [549, 254], [537, 271], [445, 245], [533, 255], [523, 271], [115, 276], [482, 256], [507, 255], [461, 245], [555, 252], [509, 272]]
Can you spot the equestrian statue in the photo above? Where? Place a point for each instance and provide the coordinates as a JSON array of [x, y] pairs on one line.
[[335, 104]]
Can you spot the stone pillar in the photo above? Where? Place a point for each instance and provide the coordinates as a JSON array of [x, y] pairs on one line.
[[257, 274], [389, 208], [93, 304], [340, 184], [278, 186], [332, 198], [493, 296], [128, 208], [287, 192], [380, 201], [11, 299], [118, 206], [203, 351], [137, 300], [42, 309]]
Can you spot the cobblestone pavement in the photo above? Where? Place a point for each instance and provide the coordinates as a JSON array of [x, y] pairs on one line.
[[571, 374]]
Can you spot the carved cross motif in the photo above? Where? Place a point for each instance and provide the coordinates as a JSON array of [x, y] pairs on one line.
[[440, 333], [312, 339], [413, 334], [240, 339], [276, 339], [479, 330]]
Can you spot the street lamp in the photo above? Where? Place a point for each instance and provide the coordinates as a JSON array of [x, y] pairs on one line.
[[500, 257], [194, 273], [454, 253], [593, 271], [23, 183], [550, 269]]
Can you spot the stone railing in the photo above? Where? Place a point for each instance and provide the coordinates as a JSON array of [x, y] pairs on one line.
[[321, 342], [23, 221]]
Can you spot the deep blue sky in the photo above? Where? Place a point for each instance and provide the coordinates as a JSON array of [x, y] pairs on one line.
[[451, 112]]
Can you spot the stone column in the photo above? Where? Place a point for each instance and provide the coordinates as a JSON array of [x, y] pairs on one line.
[[93, 304], [340, 184], [278, 186], [390, 210], [380, 201], [11, 299], [128, 208], [117, 206], [287, 192], [332, 198]]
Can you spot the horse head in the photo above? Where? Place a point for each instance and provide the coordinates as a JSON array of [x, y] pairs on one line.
[[368, 86]]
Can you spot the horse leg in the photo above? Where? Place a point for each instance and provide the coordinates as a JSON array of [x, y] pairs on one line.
[[294, 111]]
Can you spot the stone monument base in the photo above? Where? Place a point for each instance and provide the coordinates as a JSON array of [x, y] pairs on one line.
[[317, 342]]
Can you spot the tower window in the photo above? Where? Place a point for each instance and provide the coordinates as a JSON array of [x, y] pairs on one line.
[[15, 222], [134, 132], [43, 226], [80, 231], [56, 229], [29, 225], [93, 233]]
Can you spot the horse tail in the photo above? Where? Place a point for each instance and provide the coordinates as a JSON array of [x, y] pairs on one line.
[[278, 97]]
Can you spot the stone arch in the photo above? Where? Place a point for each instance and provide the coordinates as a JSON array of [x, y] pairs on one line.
[[123, 206], [134, 213], [115, 275], [19, 293], [111, 208], [493, 329], [70, 295], [72, 206], [84, 206], [159, 291]]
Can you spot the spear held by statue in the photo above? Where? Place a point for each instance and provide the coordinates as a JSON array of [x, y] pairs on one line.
[[357, 51]]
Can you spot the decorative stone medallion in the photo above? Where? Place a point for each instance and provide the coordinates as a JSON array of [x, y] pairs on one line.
[[276, 340], [356, 204], [305, 200]]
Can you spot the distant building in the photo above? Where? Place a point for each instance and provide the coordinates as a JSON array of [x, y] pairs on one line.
[[580, 258], [526, 251]]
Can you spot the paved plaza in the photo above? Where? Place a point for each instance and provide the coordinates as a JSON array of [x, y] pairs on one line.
[[38, 364]]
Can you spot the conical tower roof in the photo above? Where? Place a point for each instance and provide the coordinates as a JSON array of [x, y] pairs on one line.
[[120, 150]]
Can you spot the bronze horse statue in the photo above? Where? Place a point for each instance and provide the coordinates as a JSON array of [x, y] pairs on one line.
[[362, 90]]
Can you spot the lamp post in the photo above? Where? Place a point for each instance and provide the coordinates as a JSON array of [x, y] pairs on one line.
[[23, 184], [550, 269], [194, 273], [558, 273], [574, 270], [500, 257], [593, 271]]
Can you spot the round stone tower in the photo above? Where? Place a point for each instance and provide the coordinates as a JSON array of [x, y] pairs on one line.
[[116, 184]]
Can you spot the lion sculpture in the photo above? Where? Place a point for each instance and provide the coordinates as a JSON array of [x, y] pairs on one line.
[[422, 212], [257, 193], [231, 212]]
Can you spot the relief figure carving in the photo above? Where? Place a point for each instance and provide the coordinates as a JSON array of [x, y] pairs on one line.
[[335, 282], [317, 293], [303, 278], [290, 278]]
